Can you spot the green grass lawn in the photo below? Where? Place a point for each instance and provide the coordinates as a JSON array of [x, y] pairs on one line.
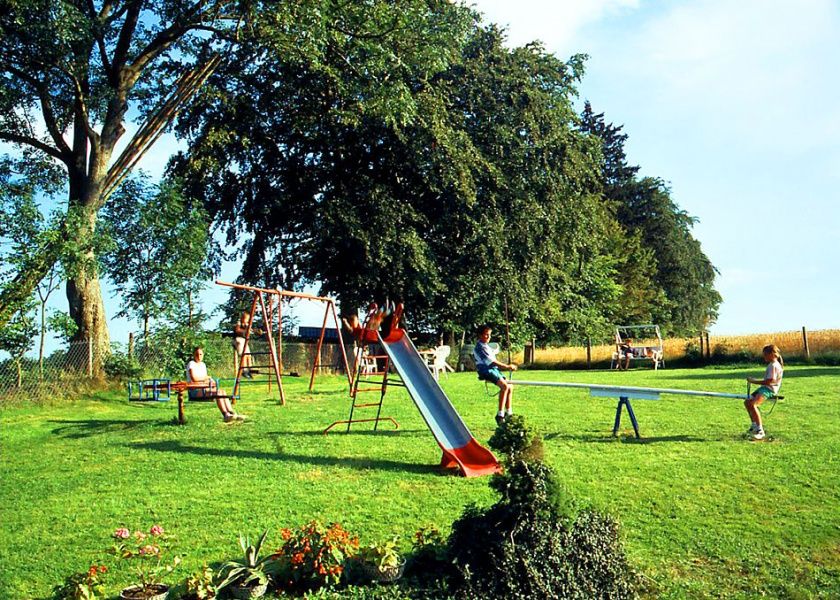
[[704, 513]]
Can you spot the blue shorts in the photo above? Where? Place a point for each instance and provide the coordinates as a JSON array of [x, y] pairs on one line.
[[491, 374]]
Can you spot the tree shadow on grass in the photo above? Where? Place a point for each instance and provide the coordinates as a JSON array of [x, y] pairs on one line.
[[89, 427], [356, 432], [604, 438], [316, 461]]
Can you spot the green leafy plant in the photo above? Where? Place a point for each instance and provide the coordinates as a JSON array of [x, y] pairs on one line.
[[251, 571], [314, 555], [121, 366], [382, 555], [197, 586], [148, 551], [82, 586], [529, 544]]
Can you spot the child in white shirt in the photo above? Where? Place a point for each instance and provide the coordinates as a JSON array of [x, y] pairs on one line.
[[768, 387]]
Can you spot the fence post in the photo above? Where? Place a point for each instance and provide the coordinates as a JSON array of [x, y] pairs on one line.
[[90, 357], [588, 352], [805, 343]]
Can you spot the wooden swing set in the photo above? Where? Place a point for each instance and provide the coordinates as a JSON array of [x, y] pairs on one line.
[[270, 303]]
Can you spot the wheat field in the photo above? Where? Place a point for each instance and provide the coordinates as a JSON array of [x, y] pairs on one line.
[[791, 344]]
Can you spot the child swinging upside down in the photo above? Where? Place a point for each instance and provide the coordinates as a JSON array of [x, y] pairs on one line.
[[769, 387], [488, 370]]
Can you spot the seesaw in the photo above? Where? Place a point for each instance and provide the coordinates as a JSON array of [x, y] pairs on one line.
[[624, 393]]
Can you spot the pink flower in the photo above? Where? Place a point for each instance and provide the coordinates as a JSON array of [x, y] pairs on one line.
[[156, 530], [122, 533], [149, 550]]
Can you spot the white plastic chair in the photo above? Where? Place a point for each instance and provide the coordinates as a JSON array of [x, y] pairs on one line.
[[437, 361]]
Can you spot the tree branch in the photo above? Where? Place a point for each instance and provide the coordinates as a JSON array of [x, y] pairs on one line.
[[35, 143]]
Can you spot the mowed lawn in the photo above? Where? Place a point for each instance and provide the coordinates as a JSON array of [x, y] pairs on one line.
[[703, 512]]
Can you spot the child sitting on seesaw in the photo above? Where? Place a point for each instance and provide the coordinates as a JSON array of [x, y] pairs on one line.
[[197, 373], [488, 370], [769, 387]]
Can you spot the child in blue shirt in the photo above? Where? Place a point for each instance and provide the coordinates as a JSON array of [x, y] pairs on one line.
[[488, 370]]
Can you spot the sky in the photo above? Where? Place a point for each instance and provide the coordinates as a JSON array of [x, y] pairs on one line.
[[734, 103]]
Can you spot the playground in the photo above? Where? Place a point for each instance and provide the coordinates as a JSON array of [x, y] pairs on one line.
[[703, 512]]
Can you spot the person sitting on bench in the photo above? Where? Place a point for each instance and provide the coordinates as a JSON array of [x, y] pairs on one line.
[[625, 351], [197, 373]]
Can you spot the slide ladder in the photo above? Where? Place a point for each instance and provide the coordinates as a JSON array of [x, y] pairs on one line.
[[365, 382]]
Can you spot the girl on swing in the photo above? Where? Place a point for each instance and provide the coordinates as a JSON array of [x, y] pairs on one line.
[[768, 387], [488, 370]]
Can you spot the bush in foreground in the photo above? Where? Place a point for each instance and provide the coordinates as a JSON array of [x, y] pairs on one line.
[[528, 545]]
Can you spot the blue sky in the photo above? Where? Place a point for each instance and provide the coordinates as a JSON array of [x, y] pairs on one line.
[[734, 104], [737, 105]]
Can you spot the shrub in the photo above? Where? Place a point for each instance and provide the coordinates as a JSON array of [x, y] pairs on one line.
[[313, 556], [121, 366], [528, 545]]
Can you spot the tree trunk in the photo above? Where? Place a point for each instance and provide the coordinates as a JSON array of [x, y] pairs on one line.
[[84, 296]]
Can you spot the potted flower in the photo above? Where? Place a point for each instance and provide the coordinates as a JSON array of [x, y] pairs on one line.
[[82, 586], [148, 553], [313, 556], [383, 561], [249, 577]]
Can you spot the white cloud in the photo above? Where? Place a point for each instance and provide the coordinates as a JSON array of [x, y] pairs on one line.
[[555, 22]]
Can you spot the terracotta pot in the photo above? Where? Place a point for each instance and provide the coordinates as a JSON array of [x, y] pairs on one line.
[[157, 591], [242, 592]]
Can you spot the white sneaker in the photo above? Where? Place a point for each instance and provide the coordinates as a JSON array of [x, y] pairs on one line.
[[759, 435]]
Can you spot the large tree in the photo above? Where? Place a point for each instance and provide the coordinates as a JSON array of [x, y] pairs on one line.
[[74, 72], [70, 72], [484, 196]]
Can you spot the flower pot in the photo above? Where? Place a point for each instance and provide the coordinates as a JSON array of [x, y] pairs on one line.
[[156, 591], [384, 574], [244, 592]]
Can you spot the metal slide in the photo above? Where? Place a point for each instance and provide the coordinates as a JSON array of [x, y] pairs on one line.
[[460, 449]]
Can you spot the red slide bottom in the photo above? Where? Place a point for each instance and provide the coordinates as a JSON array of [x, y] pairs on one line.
[[473, 460]]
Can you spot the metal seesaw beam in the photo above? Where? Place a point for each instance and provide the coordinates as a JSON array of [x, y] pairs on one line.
[[624, 393]]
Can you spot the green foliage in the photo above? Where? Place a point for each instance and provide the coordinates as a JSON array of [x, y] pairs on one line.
[[483, 195], [313, 556], [382, 555], [525, 545], [18, 335], [119, 365], [82, 586], [197, 586], [160, 251], [249, 571], [62, 325], [147, 552]]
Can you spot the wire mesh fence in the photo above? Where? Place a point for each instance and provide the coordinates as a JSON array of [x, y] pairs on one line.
[[81, 364]]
